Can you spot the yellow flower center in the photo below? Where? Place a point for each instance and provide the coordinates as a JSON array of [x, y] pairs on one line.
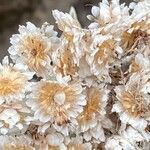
[[48, 103], [33, 51], [11, 81], [93, 104]]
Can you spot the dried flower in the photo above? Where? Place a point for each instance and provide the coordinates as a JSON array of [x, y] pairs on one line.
[[13, 81], [91, 87], [33, 47]]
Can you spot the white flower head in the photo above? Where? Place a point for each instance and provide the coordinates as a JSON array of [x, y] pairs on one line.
[[92, 120], [133, 103], [101, 55], [65, 61], [135, 36], [86, 89], [33, 46], [13, 81], [72, 32], [57, 103]]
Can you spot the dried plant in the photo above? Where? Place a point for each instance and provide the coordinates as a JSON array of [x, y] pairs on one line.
[[88, 89]]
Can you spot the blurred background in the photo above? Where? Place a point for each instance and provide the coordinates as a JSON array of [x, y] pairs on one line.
[[15, 12]]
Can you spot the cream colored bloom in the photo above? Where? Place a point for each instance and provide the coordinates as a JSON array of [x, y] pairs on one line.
[[65, 61], [33, 46], [136, 37], [101, 55], [13, 81], [72, 33], [92, 119], [75, 43], [93, 85], [57, 103], [133, 103], [71, 54]]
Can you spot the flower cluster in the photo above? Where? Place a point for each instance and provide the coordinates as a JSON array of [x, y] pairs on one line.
[[87, 89]]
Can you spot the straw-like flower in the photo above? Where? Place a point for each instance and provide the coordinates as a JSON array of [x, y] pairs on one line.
[[57, 103], [91, 87], [66, 63], [72, 32], [102, 55], [137, 37], [93, 119], [13, 81], [33, 46], [133, 102]]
